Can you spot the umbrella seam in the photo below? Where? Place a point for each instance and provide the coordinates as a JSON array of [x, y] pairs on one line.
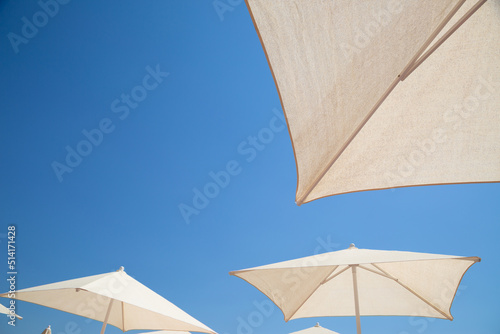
[[313, 290], [348, 141]]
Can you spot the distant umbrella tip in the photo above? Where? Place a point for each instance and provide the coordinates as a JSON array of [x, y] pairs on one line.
[[317, 324], [121, 269], [352, 246]]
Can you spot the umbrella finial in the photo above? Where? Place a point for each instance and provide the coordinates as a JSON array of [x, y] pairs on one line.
[[317, 324], [121, 269], [352, 246]]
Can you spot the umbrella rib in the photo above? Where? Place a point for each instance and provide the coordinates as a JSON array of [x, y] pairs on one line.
[[457, 25], [309, 296], [413, 292], [316, 181], [300, 201], [332, 277], [429, 40], [375, 272]]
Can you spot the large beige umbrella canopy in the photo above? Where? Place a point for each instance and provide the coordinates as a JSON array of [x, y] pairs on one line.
[[362, 282], [113, 298], [381, 94]]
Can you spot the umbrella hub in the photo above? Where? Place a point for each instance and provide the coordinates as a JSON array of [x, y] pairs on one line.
[[352, 246]]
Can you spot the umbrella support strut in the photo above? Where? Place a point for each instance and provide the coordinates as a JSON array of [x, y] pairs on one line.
[[356, 298], [409, 68], [414, 64], [107, 317]]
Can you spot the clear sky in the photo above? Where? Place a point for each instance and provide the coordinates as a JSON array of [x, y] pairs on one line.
[[116, 114]]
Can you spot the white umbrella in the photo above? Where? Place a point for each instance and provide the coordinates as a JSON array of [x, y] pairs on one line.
[[368, 107], [316, 329], [5, 310], [362, 282], [47, 330], [113, 298]]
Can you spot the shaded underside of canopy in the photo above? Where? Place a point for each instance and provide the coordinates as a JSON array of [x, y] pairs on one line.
[[335, 61], [4, 310], [389, 283]]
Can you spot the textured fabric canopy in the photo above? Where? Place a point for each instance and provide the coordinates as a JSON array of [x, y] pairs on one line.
[[317, 329], [385, 282], [354, 124], [130, 304], [5, 310]]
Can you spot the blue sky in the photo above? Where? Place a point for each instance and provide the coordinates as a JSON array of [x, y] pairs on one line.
[[165, 99]]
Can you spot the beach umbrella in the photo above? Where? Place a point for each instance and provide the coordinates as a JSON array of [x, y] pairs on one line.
[[47, 330], [166, 332], [113, 298], [380, 94], [316, 329], [362, 282], [5, 310]]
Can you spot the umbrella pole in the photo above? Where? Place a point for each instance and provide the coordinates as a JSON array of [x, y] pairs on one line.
[[107, 317], [356, 298]]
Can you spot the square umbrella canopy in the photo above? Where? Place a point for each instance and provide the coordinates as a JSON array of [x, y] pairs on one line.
[[380, 94], [362, 282]]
